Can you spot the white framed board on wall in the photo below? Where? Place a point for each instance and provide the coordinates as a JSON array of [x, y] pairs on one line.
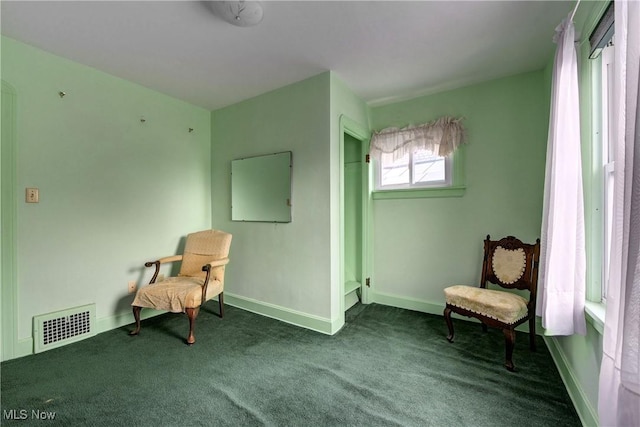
[[261, 188]]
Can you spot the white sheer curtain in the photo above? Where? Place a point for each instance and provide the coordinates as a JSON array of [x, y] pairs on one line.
[[619, 393], [561, 289], [442, 137]]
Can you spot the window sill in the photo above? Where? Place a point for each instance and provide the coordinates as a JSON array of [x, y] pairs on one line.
[[420, 193], [595, 313]]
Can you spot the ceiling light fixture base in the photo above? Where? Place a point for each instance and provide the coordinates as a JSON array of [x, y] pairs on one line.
[[239, 12]]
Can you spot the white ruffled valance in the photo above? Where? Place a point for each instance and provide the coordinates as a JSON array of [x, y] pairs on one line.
[[442, 136]]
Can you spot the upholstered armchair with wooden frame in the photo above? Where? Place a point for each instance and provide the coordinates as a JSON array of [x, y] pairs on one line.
[[201, 278], [510, 264]]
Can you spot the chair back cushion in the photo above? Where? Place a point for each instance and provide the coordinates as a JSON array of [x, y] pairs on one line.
[[508, 264], [202, 248], [511, 264]]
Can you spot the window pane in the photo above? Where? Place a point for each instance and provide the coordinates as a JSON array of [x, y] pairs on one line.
[[428, 167], [394, 173], [607, 102]]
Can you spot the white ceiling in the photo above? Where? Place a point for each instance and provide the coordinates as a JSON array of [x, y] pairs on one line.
[[383, 50]]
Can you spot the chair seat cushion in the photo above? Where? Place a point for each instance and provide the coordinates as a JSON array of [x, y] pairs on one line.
[[503, 306], [175, 294]]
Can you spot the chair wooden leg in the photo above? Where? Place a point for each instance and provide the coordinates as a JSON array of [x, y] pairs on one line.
[[532, 333], [221, 304], [447, 318], [509, 341], [136, 316], [192, 313]]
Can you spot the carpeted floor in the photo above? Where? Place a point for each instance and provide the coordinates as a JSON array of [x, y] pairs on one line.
[[387, 367]]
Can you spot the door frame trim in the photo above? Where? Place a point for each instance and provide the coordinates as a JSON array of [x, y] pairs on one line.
[[355, 130], [8, 225]]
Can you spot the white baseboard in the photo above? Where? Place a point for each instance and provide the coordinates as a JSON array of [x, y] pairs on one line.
[[350, 300], [587, 413], [315, 323], [407, 303], [118, 320]]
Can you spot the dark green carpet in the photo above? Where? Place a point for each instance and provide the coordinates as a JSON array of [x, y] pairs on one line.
[[388, 366]]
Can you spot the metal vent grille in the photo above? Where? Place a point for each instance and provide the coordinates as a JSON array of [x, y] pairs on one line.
[[63, 327]]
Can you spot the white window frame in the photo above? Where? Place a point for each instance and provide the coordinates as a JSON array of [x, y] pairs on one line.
[[447, 182], [608, 164]]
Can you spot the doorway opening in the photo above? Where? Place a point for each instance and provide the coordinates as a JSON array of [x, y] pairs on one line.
[[355, 211], [353, 274]]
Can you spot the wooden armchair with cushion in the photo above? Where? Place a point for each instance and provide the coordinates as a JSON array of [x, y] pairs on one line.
[[201, 278], [510, 264]]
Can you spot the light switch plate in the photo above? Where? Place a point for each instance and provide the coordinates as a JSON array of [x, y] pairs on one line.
[[32, 195]]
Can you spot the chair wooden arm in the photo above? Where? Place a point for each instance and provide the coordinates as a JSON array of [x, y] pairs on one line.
[[207, 268], [157, 263]]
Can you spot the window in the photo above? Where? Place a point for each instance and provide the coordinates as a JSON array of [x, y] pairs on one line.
[[602, 55], [417, 169], [419, 161]]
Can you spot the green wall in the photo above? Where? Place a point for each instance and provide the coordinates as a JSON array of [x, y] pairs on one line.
[[114, 192], [422, 246], [288, 271], [281, 270]]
